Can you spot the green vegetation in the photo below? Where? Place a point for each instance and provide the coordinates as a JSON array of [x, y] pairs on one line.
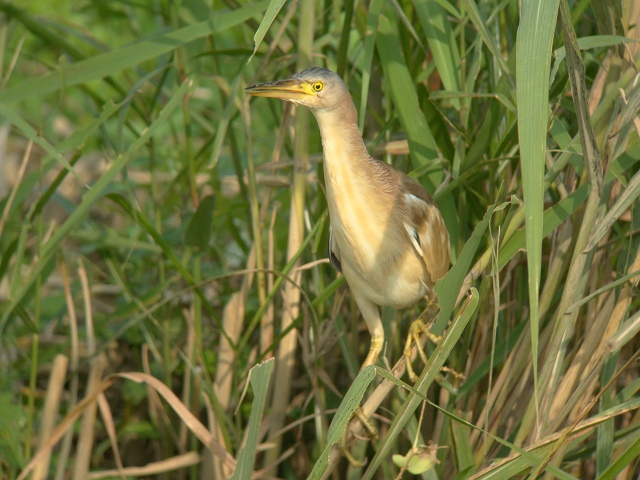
[[166, 306]]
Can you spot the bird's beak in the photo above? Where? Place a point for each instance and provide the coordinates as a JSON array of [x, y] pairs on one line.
[[291, 90]]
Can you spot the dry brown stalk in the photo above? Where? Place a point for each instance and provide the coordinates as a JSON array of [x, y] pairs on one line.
[[50, 412]]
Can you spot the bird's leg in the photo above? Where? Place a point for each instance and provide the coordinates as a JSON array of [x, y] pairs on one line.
[[368, 426], [371, 316], [416, 330], [374, 350]]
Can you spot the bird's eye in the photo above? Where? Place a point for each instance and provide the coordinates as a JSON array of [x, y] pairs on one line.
[[317, 87]]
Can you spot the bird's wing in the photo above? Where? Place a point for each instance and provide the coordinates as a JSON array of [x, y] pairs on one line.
[[426, 228], [334, 252]]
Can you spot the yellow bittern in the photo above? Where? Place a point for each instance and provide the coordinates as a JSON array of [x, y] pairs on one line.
[[386, 234]]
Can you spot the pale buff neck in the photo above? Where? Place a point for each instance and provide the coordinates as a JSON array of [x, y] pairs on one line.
[[341, 139]]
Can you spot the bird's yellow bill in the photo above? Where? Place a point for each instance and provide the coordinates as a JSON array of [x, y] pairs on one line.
[[290, 89]]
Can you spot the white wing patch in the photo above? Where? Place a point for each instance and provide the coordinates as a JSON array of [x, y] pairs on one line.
[[414, 201], [414, 235]]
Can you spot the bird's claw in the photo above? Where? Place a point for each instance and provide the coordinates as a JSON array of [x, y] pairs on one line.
[[372, 434], [417, 329]]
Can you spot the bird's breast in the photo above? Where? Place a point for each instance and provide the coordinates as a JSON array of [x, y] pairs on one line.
[[366, 220], [376, 258], [361, 218]]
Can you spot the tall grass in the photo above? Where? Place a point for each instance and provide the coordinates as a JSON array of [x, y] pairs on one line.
[[166, 305]]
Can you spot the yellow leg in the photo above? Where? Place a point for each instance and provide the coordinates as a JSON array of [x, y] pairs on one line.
[[371, 429], [374, 350], [417, 329]]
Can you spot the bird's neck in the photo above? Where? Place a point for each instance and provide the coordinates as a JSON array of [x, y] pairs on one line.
[[349, 171], [344, 150]]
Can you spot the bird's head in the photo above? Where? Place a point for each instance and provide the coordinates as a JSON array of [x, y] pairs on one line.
[[316, 88]]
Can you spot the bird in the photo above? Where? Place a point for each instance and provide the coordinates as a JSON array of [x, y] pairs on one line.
[[386, 235]]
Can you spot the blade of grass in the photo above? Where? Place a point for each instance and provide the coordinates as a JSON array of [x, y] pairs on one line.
[[630, 456], [371, 33], [349, 403], [282, 276], [533, 61], [82, 457], [622, 204], [148, 227], [405, 99], [516, 463], [267, 20], [51, 409], [447, 288], [578, 269], [552, 218], [11, 116], [259, 377], [343, 46], [481, 25], [151, 469], [590, 150], [254, 210], [605, 431], [442, 44]]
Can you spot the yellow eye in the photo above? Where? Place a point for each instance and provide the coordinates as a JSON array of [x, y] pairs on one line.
[[317, 87]]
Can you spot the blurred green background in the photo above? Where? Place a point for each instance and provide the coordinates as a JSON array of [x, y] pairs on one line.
[[150, 257]]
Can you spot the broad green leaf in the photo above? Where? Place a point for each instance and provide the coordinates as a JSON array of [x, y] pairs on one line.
[[533, 61]]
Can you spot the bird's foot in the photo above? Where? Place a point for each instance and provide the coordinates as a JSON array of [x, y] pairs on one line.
[[417, 329], [372, 434]]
